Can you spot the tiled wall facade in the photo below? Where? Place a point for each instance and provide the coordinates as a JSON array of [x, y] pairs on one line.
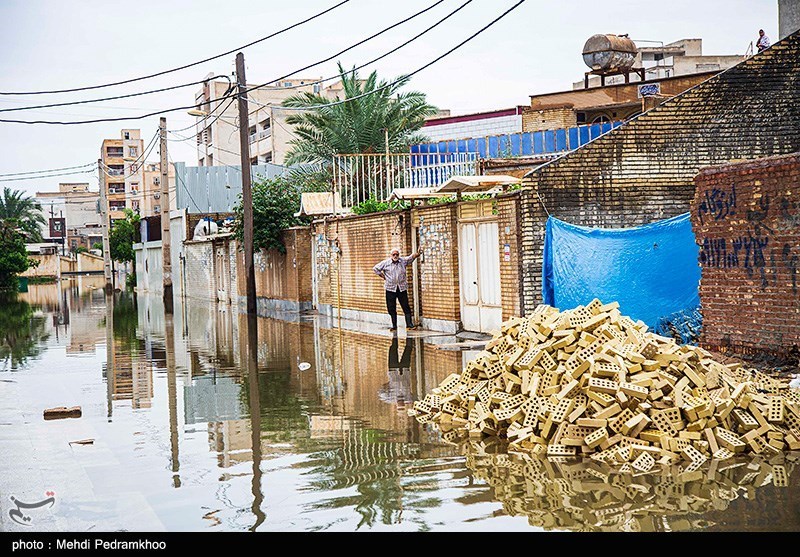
[[746, 219], [643, 171]]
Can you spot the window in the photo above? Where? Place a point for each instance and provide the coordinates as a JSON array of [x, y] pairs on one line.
[[134, 187], [581, 117], [254, 161], [287, 83], [156, 180], [126, 135], [157, 208], [268, 157], [264, 124], [601, 119], [210, 159], [251, 130], [133, 151]]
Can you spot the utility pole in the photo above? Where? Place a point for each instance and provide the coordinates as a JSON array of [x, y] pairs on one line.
[[166, 264], [247, 193], [109, 288]]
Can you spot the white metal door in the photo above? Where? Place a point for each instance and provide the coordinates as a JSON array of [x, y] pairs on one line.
[[479, 272]]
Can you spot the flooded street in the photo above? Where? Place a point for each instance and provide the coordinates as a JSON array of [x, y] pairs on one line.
[[184, 428]]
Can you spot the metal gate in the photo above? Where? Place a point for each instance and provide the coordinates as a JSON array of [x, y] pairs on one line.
[[479, 275]]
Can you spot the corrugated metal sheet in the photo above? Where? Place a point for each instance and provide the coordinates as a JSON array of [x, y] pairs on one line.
[[215, 189]]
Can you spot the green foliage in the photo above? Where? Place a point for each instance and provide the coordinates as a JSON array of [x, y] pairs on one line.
[[130, 281], [124, 233], [23, 213], [98, 245], [360, 125], [372, 206], [81, 249], [13, 257], [22, 332], [275, 201]]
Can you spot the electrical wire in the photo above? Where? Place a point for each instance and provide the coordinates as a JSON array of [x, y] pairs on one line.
[[432, 62], [145, 153], [48, 176], [87, 101], [51, 170], [356, 68], [87, 88], [234, 95]]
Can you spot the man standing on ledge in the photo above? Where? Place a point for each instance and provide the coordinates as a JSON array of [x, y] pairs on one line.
[[393, 272]]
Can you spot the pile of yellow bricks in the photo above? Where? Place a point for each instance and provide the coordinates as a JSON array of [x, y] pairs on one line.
[[590, 381]]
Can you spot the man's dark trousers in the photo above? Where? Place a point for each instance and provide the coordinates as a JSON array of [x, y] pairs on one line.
[[391, 306]]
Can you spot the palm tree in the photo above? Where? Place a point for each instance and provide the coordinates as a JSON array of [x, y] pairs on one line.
[[329, 127], [23, 213]]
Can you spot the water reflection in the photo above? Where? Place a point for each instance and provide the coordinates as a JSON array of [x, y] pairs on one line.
[[22, 332], [201, 421], [587, 495]]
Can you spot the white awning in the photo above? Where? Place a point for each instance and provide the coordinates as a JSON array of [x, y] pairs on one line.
[[414, 193], [319, 203], [482, 184]]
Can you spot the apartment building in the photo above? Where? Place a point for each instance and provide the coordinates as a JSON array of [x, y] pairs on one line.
[[217, 131], [151, 200], [123, 172], [71, 216]]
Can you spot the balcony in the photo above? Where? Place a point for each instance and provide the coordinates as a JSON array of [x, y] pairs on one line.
[[263, 134], [363, 176]]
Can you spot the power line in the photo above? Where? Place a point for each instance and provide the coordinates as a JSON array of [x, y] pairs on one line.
[[232, 95], [432, 62], [235, 95], [356, 68], [87, 101], [87, 88], [51, 170], [48, 176]]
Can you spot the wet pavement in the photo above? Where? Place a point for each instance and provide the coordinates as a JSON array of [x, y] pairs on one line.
[[184, 428]]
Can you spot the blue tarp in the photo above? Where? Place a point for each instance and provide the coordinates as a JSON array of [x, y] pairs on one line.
[[651, 270]]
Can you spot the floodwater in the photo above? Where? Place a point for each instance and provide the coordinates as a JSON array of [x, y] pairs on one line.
[[184, 428]]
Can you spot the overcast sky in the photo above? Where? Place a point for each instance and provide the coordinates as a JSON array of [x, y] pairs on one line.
[[61, 44]]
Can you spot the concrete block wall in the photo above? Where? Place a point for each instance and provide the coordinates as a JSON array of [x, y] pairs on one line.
[[496, 125], [200, 278], [746, 219], [644, 170]]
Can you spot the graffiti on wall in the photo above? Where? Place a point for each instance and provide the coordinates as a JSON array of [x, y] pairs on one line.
[[436, 241], [761, 244]]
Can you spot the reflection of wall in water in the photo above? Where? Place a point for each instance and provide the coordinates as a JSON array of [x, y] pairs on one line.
[[360, 363], [232, 442]]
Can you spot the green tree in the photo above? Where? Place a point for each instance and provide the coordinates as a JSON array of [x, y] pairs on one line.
[[13, 257], [81, 249], [124, 233], [22, 212], [98, 245], [275, 201], [358, 126]]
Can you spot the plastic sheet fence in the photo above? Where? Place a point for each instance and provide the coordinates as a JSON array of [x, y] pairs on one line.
[[513, 145], [651, 270], [214, 189]]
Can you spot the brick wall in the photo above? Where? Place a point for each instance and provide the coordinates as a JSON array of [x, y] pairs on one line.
[[353, 245], [644, 170], [439, 284], [507, 208], [283, 276], [548, 118], [746, 219]]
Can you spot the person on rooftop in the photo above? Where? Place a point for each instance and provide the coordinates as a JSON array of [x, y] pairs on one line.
[[763, 41]]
